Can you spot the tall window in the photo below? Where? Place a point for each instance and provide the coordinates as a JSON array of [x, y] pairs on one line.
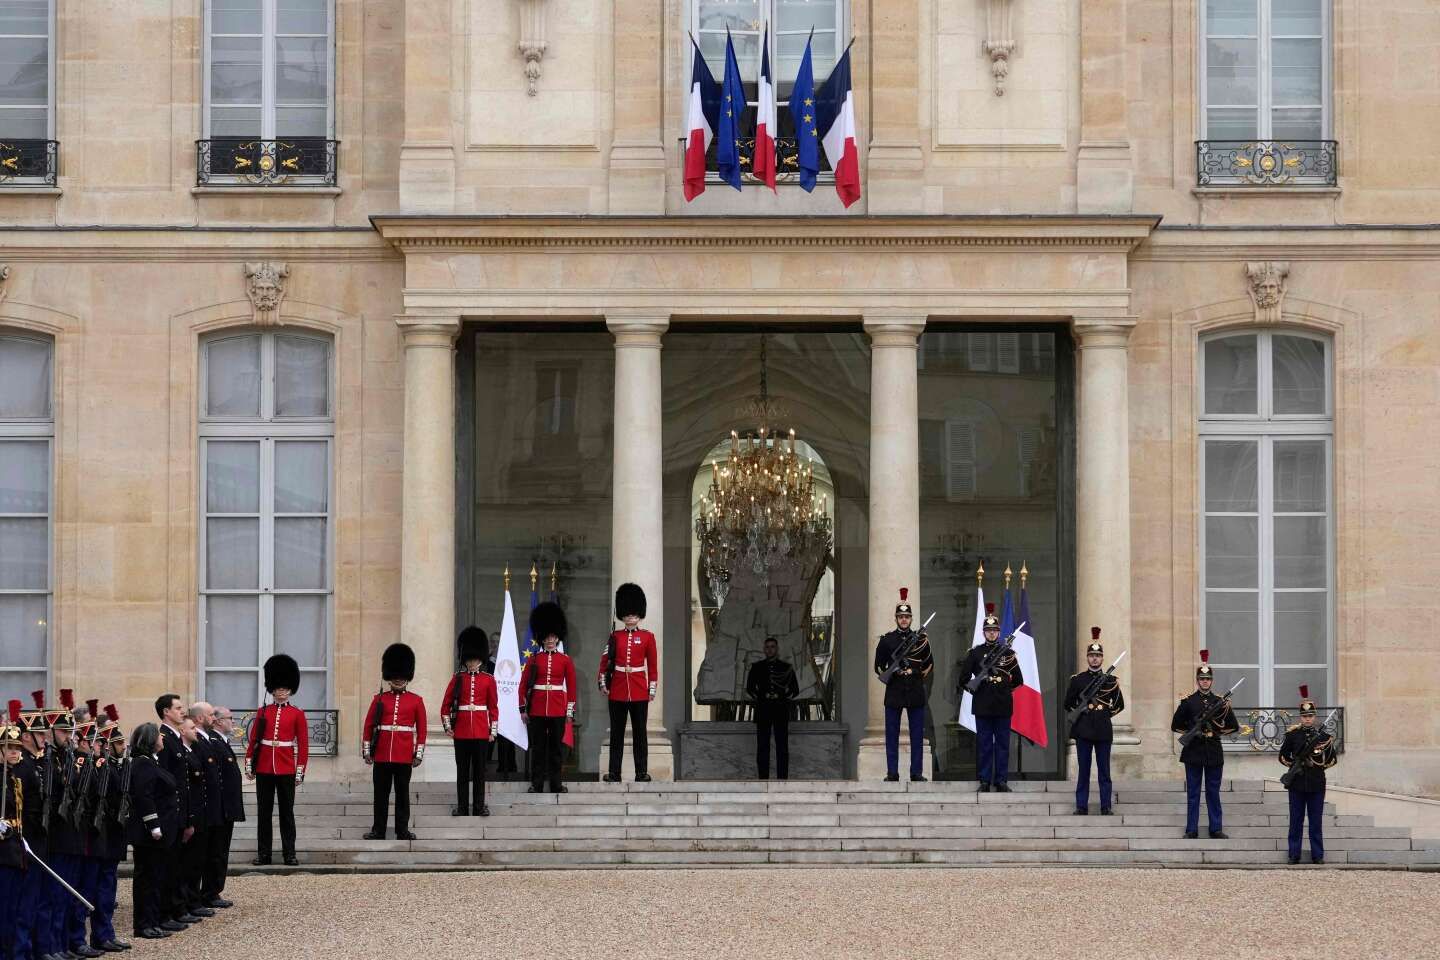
[[270, 67], [25, 69], [1265, 70], [266, 457], [1267, 576], [27, 429]]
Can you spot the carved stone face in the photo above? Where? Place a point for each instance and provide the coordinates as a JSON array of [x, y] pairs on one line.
[[1267, 291], [265, 290]]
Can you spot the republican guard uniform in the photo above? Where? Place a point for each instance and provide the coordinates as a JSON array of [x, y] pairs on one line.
[[66, 843], [629, 671], [1308, 750], [394, 740], [547, 697], [1093, 730], [277, 750], [12, 831], [905, 690], [109, 841], [35, 935], [993, 705], [470, 711], [1204, 757]]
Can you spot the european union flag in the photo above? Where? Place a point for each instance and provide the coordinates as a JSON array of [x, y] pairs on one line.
[[807, 133], [529, 648], [732, 107]]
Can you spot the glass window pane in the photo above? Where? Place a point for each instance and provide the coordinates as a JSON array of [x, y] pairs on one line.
[[1232, 627], [311, 696], [25, 18], [232, 553], [25, 70], [1299, 468], [24, 554], [1297, 123], [1232, 552], [1295, 72], [25, 476], [232, 377], [234, 121], [232, 476], [1296, 18], [1231, 18], [232, 631], [1249, 694], [301, 70], [1300, 551], [1301, 631], [23, 631], [300, 554], [302, 476], [300, 629], [302, 122], [1298, 372], [1230, 375], [235, 70], [24, 378], [804, 14], [1231, 72], [302, 377], [737, 15], [238, 691], [1229, 123], [1287, 686], [1231, 476], [16, 685], [235, 16], [302, 16]]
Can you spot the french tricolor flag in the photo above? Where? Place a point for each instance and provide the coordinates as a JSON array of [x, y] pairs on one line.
[[835, 113], [704, 116], [763, 166]]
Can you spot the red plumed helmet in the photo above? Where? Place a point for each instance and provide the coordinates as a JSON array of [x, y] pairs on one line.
[[39, 697], [111, 713], [94, 707], [1204, 656], [1304, 691], [989, 608], [904, 594], [15, 706], [1094, 633], [67, 698]]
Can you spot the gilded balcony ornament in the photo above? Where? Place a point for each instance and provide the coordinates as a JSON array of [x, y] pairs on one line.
[[1265, 163]]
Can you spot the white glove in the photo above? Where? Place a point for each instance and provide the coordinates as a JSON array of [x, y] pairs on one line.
[[4, 829], [299, 776], [569, 711], [419, 754], [494, 730], [652, 689], [155, 833]]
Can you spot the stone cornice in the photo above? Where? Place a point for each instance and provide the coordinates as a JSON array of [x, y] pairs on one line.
[[1338, 242], [100, 244], [1118, 234]]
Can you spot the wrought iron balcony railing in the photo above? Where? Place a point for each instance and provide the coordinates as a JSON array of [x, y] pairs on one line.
[[324, 730], [29, 162], [787, 161], [245, 162], [1265, 163], [1262, 729]]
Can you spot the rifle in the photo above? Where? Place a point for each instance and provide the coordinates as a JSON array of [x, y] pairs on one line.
[[1090, 693], [123, 817], [991, 660], [902, 652], [375, 725], [101, 821], [1305, 756], [48, 788], [453, 714], [1208, 717], [611, 649], [82, 790]]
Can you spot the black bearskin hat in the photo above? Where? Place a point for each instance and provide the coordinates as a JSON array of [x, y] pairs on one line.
[[397, 663], [281, 670], [629, 599], [546, 619], [473, 644]]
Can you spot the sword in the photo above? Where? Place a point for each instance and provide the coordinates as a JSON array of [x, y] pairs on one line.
[[89, 907]]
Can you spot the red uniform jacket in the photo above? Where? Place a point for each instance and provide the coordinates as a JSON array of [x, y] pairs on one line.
[[635, 667], [402, 726], [548, 683], [279, 740], [472, 699]]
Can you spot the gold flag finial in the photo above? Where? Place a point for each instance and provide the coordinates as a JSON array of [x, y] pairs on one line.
[[980, 574], [1024, 574], [507, 578], [534, 577], [1008, 575], [555, 577]]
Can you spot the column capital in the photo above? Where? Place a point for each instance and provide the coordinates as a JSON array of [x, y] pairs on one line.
[[428, 330], [894, 329], [1103, 332], [637, 330]]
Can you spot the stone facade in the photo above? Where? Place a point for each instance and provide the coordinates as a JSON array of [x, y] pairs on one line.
[[1071, 198]]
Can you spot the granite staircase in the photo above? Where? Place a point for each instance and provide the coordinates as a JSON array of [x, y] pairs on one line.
[[817, 823]]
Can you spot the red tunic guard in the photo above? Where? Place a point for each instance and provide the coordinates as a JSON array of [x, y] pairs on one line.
[[402, 727], [477, 708], [279, 741], [548, 683], [635, 665]]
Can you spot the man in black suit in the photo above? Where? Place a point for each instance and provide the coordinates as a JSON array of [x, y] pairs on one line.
[[171, 757], [232, 806]]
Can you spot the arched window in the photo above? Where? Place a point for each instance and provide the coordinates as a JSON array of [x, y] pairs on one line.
[[1267, 533], [27, 433], [266, 466]]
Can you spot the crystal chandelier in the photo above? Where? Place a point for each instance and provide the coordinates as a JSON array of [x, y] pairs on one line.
[[761, 507]]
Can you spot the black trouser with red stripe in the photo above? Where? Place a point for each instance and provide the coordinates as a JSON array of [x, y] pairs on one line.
[[386, 776], [470, 757]]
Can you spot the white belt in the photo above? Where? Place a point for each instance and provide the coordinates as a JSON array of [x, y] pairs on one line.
[[474, 706], [549, 686], [395, 729], [277, 743], [630, 669]]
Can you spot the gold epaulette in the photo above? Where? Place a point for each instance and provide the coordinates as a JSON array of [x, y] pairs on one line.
[[1292, 728]]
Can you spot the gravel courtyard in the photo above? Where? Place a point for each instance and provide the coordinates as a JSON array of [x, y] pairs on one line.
[[819, 913]]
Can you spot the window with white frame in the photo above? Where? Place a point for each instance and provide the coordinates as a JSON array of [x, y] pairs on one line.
[[1265, 70], [26, 69], [27, 434], [266, 467], [1267, 575], [270, 68]]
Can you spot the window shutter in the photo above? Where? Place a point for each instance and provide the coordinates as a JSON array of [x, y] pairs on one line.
[[1007, 352], [1027, 442], [960, 459], [980, 348]]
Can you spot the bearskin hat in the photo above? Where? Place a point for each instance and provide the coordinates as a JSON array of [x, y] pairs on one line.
[[547, 619], [397, 663], [473, 644], [281, 670], [629, 599]]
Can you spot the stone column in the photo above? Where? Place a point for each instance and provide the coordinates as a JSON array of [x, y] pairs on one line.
[[894, 551], [637, 534], [427, 152], [1102, 500], [427, 545], [637, 155], [1105, 179]]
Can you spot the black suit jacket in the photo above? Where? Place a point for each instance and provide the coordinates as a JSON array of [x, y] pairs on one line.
[[154, 802], [232, 789], [211, 753], [171, 757]]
